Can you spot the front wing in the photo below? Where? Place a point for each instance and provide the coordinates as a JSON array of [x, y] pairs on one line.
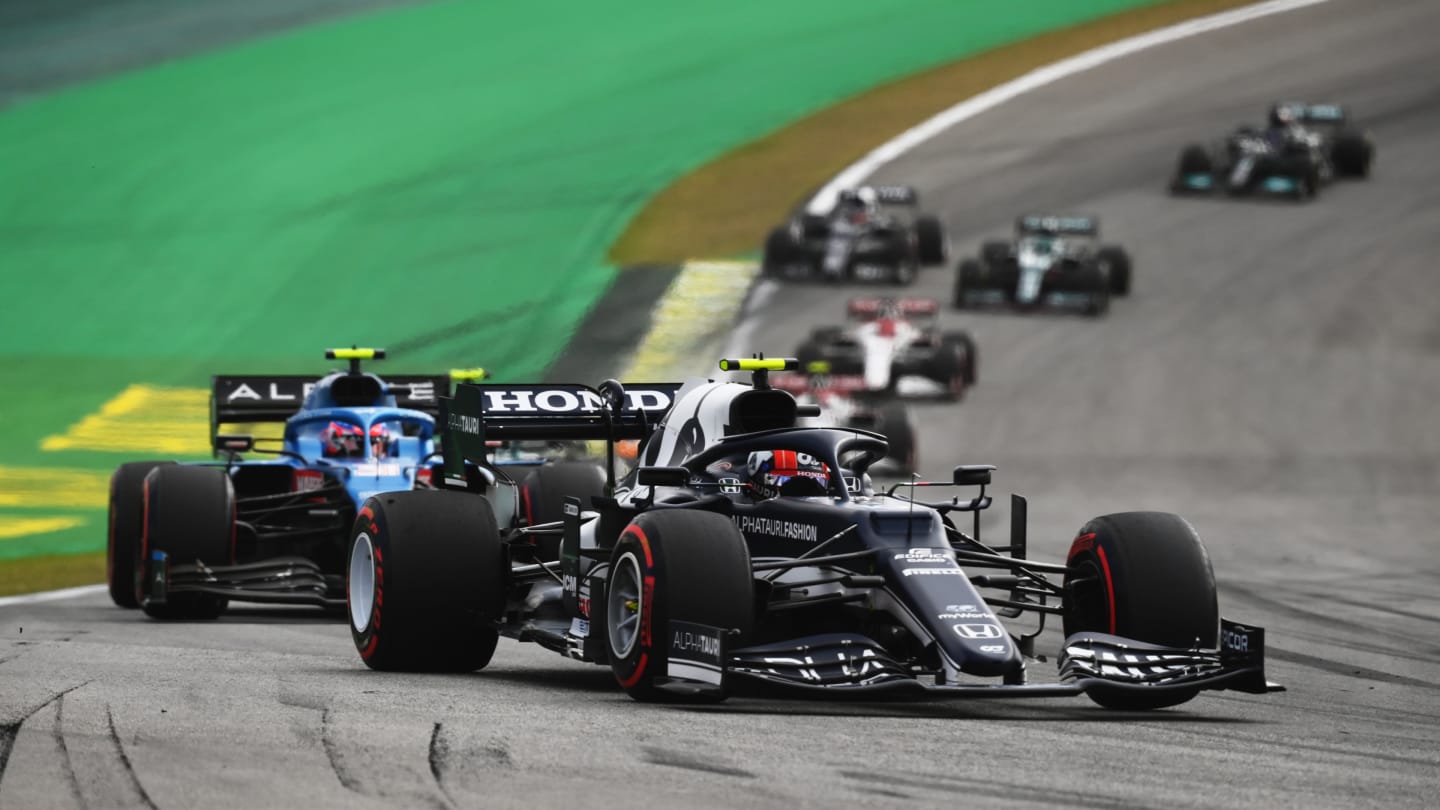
[[841, 664]]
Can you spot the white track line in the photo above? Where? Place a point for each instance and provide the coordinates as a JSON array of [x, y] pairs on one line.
[[51, 596], [1035, 79]]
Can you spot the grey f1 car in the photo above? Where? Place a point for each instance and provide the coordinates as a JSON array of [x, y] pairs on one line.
[[1053, 262], [871, 234], [1303, 148], [745, 548]]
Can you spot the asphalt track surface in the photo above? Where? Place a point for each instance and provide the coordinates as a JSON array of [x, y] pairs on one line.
[[1271, 378]]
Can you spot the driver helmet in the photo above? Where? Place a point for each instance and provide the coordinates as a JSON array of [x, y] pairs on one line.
[[787, 472], [1282, 115], [380, 440], [343, 440], [855, 204]]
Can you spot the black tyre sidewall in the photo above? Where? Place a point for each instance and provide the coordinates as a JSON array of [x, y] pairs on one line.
[[695, 567], [895, 426], [1119, 269], [439, 581], [930, 240], [1158, 585], [189, 513], [126, 529]]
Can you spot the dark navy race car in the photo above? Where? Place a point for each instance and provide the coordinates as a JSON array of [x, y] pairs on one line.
[[872, 233], [185, 538], [1302, 148], [745, 548]]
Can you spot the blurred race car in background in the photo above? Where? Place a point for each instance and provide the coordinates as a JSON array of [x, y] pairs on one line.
[[185, 538], [845, 402], [1302, 148], [892, 339], [871, 234], [1053, 262]]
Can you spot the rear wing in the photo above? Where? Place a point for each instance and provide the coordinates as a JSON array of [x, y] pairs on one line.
[[869, 308], [1332, 114], [478, 414], [277, 397], [896, 195], [816, 381], [1060, 225]]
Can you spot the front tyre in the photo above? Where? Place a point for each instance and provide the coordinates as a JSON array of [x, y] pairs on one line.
[[673, 566], [1143, 576], [425, 584], [1115, 265], [930, 241]]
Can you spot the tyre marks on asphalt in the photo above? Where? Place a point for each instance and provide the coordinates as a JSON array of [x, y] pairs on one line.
[[706, 763], [896, 782], [10, 731], [348, 779], [124, 759]]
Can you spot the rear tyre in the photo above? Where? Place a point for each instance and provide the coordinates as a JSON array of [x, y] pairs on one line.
[[970, 357], [968, 275], [543, 494], [425, 585], [894, 425], [668, 566], [189, 515], [1351, 153], [778, 248], [1194, 159], [1143, 576], [127, 530], [932, 245], [1115, 265]]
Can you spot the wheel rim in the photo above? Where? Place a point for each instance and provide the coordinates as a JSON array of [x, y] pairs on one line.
[[360, 589], [624, 606]]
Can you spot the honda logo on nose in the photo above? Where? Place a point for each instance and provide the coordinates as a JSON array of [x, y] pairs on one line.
[[979, 631]]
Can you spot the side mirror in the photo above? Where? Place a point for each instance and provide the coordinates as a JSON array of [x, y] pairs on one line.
[[810, 411], [972, 475], [663, 477], [234, 443]]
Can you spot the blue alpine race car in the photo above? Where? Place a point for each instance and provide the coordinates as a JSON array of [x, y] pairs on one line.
[[185, 538]]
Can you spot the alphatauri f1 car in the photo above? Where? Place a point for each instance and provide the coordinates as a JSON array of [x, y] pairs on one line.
[[1302, 148], [187, 538], [745, 548], [871, 234], [1054, 262], [891, 339]]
